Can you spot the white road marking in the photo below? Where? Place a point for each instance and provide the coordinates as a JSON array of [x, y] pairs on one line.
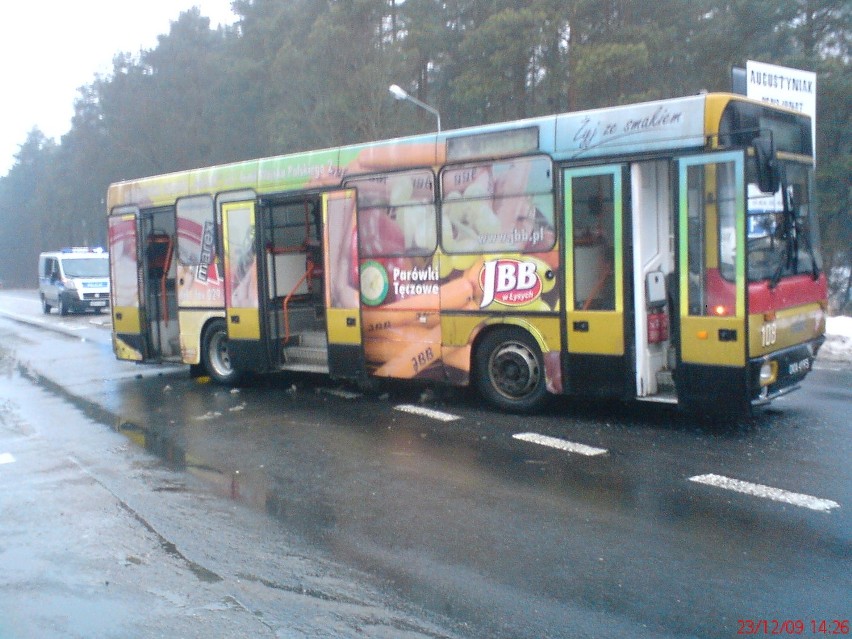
[[767, 492], [427, 412], [6, 458], [345, 394], [560, 444]]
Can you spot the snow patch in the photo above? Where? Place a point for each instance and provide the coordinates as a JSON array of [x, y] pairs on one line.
[[838, 339]]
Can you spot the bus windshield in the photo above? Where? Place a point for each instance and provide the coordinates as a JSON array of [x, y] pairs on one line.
[[782, 232], [86, 267]]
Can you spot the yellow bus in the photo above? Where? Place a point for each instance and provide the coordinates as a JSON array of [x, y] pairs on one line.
[[664, 251]]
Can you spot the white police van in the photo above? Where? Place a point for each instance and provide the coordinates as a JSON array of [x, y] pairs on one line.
[[74, 279]]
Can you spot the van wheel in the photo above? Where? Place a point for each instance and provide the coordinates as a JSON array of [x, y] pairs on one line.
[[509, 370], [215, 356], [45, 307], [62, 309]]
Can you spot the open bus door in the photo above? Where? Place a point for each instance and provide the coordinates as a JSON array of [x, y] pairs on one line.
[[712, 286], [342, 285], [158, 233], [594, 208], [142, 267], [242, 311], [128, 341]]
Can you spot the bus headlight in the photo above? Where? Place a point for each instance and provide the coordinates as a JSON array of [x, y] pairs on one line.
[[768, 373]]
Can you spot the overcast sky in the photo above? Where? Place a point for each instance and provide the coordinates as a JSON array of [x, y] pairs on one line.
[[50, 48]]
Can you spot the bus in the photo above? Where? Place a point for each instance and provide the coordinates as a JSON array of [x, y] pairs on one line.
[[665, 251]]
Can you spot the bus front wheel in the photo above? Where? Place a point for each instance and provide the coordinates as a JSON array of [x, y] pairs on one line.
[[509, 370], [215, 356]]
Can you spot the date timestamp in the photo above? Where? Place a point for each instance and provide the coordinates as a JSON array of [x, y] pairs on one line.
[[781, 627]]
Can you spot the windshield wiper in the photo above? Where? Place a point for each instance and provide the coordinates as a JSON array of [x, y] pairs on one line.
[[810, 248], [790, 238]]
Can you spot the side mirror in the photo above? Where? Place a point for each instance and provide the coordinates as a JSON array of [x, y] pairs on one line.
[[768, 173]]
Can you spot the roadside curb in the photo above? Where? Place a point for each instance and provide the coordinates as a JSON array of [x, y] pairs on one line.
[[56, 328]]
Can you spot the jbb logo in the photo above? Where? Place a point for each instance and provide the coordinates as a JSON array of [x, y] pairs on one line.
[[509, 282]]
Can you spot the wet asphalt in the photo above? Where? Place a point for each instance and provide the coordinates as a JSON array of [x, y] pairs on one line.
[[293, 506]]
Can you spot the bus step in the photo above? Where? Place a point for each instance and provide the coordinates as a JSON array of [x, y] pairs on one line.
[[309, 349], [665, 382], [306, 368], [305, 355], [313, 339]]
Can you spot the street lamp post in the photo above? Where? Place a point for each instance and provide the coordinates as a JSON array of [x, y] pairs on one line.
[[401, 94]]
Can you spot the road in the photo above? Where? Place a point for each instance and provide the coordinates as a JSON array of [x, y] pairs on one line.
[[645, 523]]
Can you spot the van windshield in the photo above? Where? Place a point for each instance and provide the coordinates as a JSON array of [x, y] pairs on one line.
[[86, 267]]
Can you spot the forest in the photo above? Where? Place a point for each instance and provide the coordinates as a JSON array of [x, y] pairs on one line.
[[293, 75]]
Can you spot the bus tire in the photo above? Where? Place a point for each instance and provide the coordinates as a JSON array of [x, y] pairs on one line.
[[509, 370], [215, 356]]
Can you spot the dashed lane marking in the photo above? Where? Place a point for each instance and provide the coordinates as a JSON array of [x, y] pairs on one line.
[[345, 394], [560, 444], [767, 492], [427, 412], [6, 458]]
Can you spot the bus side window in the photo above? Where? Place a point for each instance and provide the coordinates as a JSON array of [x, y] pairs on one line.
[[196, 234], [396, 214], [505, 205]]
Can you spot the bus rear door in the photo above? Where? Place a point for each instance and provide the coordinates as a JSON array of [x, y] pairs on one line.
[[128, 341], [157, 229]]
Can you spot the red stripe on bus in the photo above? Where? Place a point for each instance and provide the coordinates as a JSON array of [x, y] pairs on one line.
[[791, 291]]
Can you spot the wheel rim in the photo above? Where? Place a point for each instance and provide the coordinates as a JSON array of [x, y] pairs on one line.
[[514, 370], [220, 359]]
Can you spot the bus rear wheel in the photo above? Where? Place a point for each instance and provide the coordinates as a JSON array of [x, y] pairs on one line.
[[509, 370], [215, 356]]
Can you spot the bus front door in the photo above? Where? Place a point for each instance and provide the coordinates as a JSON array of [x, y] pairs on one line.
[[712, 287], [594, 207]]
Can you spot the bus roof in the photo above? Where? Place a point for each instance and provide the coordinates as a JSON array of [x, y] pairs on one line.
[[649, 127]]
